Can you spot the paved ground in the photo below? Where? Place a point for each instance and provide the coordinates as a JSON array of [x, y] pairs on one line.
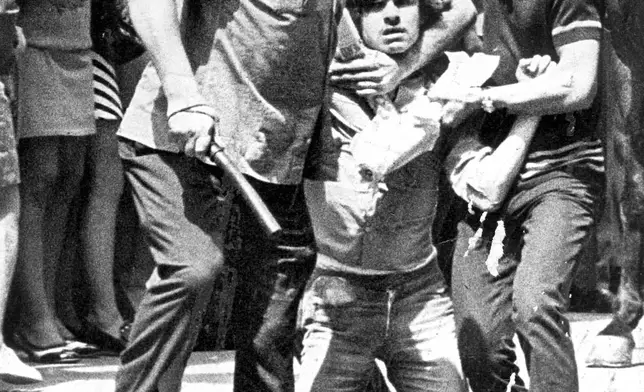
[[207, 371], [212, 371]]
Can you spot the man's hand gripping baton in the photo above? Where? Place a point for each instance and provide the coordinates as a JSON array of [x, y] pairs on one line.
[[266, 219]]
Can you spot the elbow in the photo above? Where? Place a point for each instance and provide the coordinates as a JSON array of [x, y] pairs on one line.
[[484, 198], [587, 99], [489, 206], [583, 98], [579, 94], [486, 204]]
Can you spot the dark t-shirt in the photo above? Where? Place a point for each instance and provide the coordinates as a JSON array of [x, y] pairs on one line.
[[515, 29]]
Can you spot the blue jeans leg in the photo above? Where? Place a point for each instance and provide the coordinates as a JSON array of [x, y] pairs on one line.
[[529, 296], [408, 325], [421, 353]]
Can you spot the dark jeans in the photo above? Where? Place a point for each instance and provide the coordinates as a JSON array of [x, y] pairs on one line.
[[406, 321], [192, 223], [547, 226]]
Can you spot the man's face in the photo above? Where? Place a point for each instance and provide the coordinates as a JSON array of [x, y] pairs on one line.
[[391, 26]]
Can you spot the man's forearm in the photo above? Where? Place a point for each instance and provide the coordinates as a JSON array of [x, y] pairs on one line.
[[439, 36], [157, 23], [485, 181], [499, 170], [571, 86], [542, 96]]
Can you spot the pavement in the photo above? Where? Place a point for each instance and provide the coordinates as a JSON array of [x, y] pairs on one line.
[[213, 371], [207, 371]]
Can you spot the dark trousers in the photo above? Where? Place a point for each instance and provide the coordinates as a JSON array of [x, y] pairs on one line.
[[192, 223], [621, 232], [547, 227]]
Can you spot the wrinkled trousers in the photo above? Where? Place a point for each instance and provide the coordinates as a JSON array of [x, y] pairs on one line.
[[547, 227], [192, 223]]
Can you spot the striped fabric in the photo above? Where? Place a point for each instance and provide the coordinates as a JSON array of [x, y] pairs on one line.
[[581, 153], [576, 31], [107, 103]]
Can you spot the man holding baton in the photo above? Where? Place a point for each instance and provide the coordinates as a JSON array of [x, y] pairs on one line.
[[216, 72], [252, 75]]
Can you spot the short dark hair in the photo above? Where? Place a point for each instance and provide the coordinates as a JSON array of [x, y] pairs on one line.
[[430, 6], [430, 10]]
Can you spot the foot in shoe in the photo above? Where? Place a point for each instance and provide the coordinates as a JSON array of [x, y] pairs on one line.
[[107, 342], [58, 353], [84, 350], [14, 371]]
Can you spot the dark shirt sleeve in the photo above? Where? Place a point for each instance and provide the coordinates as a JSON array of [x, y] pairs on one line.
[[574, 20]]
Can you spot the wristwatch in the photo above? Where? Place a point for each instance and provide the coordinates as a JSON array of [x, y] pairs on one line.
[[487, 104]]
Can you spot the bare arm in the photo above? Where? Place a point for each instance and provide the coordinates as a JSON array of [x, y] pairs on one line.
[[157, 23], [571, 86], [438, 37], [190, 119], [484, 177], [487, 182]]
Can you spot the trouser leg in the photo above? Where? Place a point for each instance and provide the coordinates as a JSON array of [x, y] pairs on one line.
[[345, 324], [483, 312], [273, 274], [556, 231], [178, 203], [421, 353], [631, 210], [528, 296]]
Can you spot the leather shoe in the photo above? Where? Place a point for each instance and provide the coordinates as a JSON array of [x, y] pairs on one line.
[[58, 353], [106, 342], [84, 350]]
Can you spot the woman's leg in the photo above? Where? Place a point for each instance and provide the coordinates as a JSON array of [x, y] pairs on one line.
[[51, 169], [98, 228]]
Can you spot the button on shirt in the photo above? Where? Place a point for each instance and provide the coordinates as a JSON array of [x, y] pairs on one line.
[[363, 228]]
